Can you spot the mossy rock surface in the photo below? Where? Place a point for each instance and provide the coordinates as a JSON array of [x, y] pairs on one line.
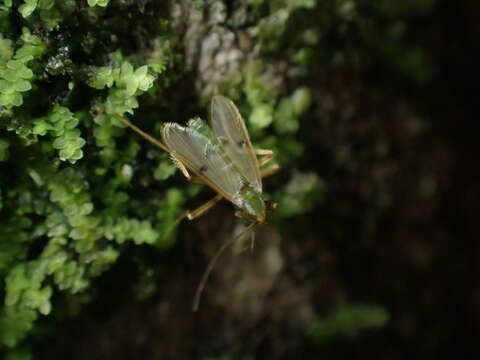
[[363, 104]]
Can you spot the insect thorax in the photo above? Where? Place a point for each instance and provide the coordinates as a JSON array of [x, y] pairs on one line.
[[253, 204]]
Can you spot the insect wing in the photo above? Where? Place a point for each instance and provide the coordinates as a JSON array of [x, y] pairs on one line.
[[229, 127], [202, 156]]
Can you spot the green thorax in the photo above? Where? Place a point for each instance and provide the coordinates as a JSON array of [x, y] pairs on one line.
[[201, 127], [249, 201], [253, 205]]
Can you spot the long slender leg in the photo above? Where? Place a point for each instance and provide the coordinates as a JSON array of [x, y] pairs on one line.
[[252, 241], [265, 160], [269, 170], [197, 180], [143, 134], [263, 152], [204, 208], [267, 156], [195, 213]]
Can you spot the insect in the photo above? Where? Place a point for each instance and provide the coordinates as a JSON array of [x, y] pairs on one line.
[[222, 157]]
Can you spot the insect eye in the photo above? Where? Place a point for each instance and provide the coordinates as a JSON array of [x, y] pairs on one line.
[[241, 143]]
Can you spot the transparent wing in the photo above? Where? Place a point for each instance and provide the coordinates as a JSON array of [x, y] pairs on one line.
[[200, 155], [229, 127]]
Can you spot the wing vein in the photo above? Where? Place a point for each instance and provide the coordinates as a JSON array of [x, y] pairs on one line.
[[204, 157], [230, 130]]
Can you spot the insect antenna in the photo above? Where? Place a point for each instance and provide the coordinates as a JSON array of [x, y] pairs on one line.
[[251, 246], [252, 241], [144, 134], [211, 265], [175, 224]]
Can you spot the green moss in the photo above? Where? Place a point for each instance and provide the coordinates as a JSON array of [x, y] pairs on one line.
[[76, 218], [349, 320], [4, 154], [102, 3], [289, 111], [18, 354], [63, 126], [15, 75], [300, 195]]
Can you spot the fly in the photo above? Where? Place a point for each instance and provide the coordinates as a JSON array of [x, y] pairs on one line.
[[222, 157]]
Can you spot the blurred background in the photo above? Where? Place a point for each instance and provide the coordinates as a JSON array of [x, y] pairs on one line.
[[369, 107]]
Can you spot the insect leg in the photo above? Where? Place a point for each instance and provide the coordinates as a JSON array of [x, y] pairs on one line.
[[267, 156], [264, 152], [197, 180], [204, 208], [144, 134], [269, 170], [197, 212], [252, 241]]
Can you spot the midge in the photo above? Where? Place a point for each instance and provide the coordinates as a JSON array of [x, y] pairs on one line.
[[220, 156]]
